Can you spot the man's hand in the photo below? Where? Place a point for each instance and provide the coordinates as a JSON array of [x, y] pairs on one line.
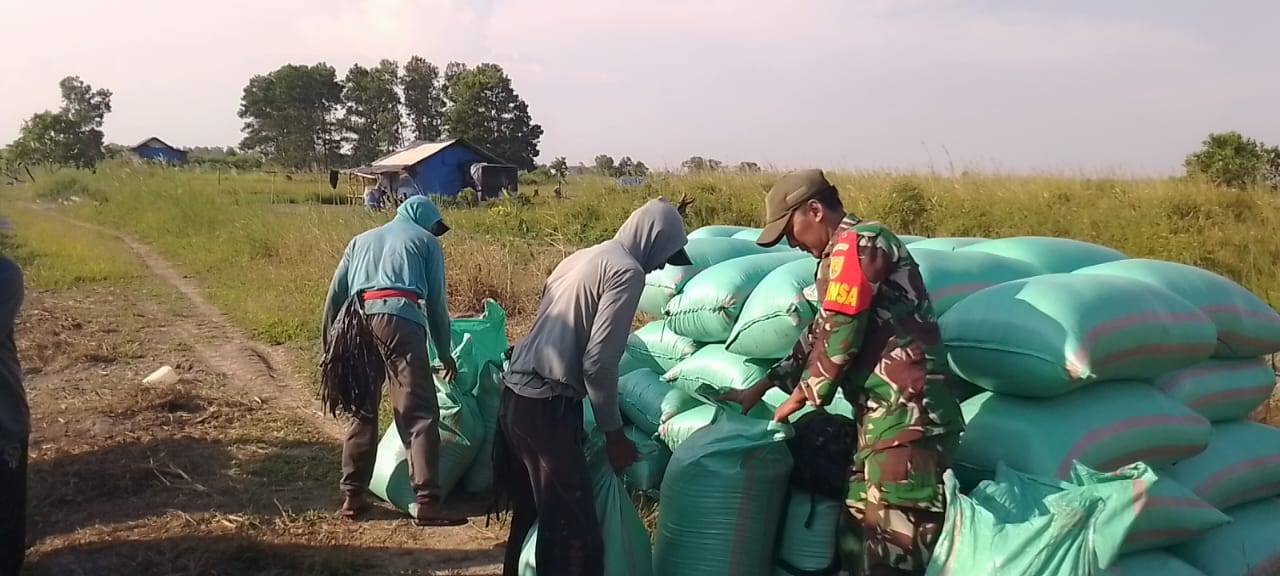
[[449, 368], [793, 404], [748, 397], [620, 449]]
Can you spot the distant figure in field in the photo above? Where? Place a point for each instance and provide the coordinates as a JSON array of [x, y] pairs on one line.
[[373, 198], [406, 188], [15, 426], [393, 270]]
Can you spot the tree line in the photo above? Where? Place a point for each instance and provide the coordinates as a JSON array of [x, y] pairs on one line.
[[306, 117]]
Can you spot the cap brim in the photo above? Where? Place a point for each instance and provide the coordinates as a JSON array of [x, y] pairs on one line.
[[442, 228], [680, 258], [773, 232]]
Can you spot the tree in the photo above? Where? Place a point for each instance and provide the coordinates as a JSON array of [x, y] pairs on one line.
[[749, 167], [486, 110], [72, 136], [372, 110], [700, 164], [290, 116], [1232, 160], [559, 167], [605, 166], [629, 167], [423, 98]]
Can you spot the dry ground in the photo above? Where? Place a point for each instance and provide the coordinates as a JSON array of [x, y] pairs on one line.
[[229, 472]]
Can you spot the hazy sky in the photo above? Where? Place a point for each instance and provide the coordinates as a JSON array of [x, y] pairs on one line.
[[1127, 85]]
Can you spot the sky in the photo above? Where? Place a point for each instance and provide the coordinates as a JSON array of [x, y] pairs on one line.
[[1092, 86]]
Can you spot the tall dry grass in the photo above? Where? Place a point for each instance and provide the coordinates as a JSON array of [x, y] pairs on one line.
[[266, 249]]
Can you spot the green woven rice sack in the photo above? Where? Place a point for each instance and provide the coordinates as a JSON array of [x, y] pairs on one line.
[[1169, 513], [1221, 390], [776, 313], [807, 543], [679, 428], [655, 347], [751, 234], [1053, 255], [1048, 335], [909, 239], [1104, 427], [1241, 465], [1247, 326], [712, 370], [708, 305], [945, 244], [722, 499], [645, 475], [663, 284], [952, 276], [1019, 524], [776, 396], [626, 542], [1151, 564], [1248, 546], [646, 401], [460, 433], [716, 231]]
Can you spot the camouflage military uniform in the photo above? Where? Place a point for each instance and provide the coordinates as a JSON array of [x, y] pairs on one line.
[[875, 336]]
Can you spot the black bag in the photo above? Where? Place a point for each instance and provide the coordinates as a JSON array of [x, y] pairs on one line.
[[822, 449], [353, 364]]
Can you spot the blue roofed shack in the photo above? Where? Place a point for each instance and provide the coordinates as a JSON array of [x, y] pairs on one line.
[[443, 169], [158, 150]]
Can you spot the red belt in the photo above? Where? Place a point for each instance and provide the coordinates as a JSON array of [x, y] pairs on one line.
[[384, 294]]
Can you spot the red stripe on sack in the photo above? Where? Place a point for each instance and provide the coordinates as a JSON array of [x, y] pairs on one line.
[[1268, 567], [967, 288], [1176, 350], [1163, 534], [1267, 317], [1236, 469], [1259, 492], [1176, 452], [1088, 440], [1210, 399], [1232, 336], [1178, 502], [1185, 375]]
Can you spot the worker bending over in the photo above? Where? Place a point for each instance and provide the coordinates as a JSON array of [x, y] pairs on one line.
[[572, 352], [875, 337], [392, 269]]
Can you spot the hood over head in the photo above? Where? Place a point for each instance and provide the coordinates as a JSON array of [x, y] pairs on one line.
[[422, 211], [654, 235]]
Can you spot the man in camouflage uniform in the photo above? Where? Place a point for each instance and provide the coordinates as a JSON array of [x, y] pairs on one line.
[[876, 338]]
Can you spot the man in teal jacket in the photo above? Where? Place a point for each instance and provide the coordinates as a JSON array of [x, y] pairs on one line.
[[397, 271]]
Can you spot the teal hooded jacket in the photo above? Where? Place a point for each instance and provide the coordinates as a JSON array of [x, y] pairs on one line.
[[400, 255]]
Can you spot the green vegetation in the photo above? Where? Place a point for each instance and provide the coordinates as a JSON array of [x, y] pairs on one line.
[[266, 248], [56, 254]]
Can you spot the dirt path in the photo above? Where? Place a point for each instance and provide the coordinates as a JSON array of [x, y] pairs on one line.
[[261, 369], [231, 471]]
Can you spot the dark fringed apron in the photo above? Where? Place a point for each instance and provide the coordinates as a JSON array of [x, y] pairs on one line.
[[500, 503], [353, 364]]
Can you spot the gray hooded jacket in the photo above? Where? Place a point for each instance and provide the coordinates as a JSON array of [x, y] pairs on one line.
[[588, 303]]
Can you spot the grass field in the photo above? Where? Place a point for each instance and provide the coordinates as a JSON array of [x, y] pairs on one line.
[[266, 249], [263, 249]]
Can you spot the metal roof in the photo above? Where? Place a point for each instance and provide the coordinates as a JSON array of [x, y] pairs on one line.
[[421, 150], [155, 139]]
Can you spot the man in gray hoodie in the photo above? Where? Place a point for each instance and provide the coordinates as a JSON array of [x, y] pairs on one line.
[[572, 352]]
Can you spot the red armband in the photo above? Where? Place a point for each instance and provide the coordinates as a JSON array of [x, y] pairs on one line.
[[848, 290]]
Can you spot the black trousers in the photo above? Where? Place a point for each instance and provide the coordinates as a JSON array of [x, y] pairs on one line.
[[13, 507], [544, 473]]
